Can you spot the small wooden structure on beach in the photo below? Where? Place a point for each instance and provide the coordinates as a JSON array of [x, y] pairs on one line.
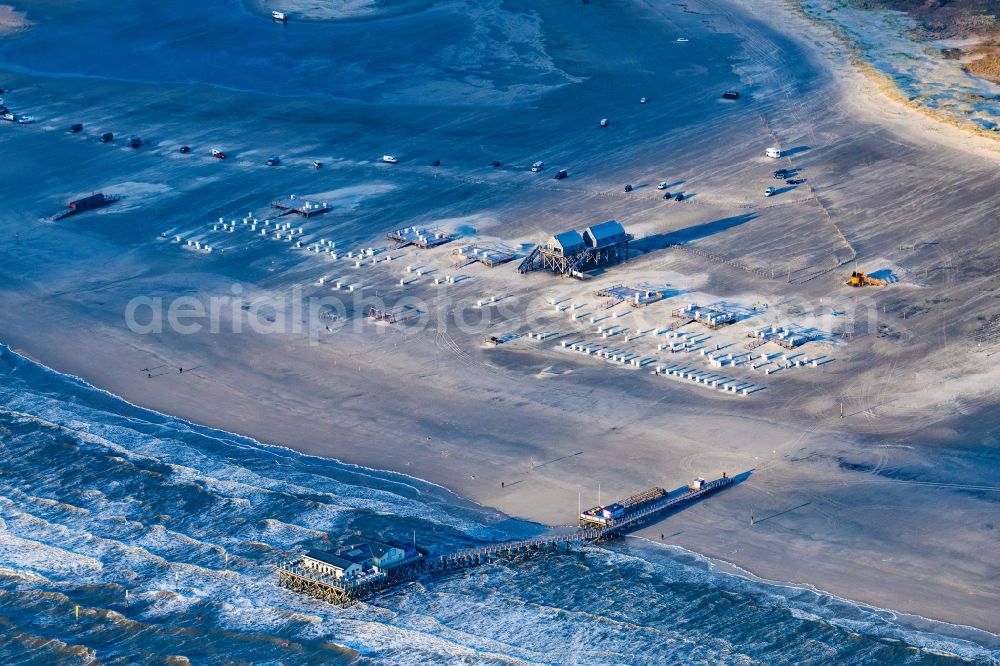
[[418, 236], [303, 207], [91, 202], [488, 255]]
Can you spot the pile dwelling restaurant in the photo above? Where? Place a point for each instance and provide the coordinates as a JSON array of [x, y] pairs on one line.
[[362, 566], [606, 515], [572, 252]]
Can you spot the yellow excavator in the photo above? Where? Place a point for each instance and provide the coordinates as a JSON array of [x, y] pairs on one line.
[[859, 279]]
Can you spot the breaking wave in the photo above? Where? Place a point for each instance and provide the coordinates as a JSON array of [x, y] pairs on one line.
[[99, 497]]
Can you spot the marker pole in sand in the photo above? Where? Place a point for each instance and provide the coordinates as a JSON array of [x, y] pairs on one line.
[[751, 516], [78, 613], [126, 599], [225, 561]]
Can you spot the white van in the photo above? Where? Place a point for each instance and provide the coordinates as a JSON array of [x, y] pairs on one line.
[[773, 153], [389, 159]]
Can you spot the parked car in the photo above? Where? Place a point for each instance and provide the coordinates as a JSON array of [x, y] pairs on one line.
[[218, 154], [75, 127], [678, 197], [273, 160], [185, 150], [731, 94], [604, 122], [560, 174], [537, 166], [781, 174], [642, 100], [436, 163], [666, 196], [389, 159], [317, 165], [134, 141], [628, 188], [770, 192], [495, 164], [25, 120], [662, 186], [107, 137]]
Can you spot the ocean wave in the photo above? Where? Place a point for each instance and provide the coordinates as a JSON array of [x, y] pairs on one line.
[[100, 498]]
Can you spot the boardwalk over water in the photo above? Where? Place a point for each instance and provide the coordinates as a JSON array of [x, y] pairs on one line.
[[343, 590], [512, 549]]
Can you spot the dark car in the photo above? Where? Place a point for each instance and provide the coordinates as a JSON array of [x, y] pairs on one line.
[[436, 163], [780, 174], [731, 94], [679, 197], [495, 164], [134, 141], [106, 137], [666, 196], [75, 127], [560, 174], [273, 160], [791, 181], [628, 188], [185, 150]]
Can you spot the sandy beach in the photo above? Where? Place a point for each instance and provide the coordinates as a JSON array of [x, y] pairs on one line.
[[12, 21], [872, 476]]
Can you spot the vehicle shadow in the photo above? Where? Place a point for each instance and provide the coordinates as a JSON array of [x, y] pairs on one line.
[[689, 234], [795, 151], [781, 190]]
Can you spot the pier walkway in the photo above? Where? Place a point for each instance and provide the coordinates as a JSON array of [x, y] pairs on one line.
[[508, 550], [345, 590]]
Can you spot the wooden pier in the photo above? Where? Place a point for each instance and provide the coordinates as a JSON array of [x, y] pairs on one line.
[[341, 591], [509, 550]]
